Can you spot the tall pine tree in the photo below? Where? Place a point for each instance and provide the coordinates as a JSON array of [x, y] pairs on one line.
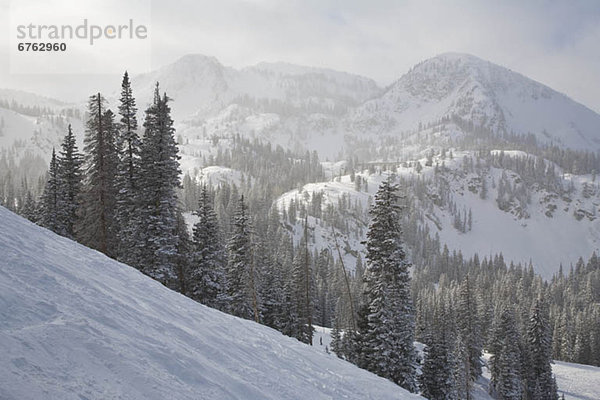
[[129, 193], [156, 237], [387, 345], [207, 272], [241, 288], [506, 360], [468, 329], [96, 223], [52, 202], [540, 382], [439, 364], [70, 169]]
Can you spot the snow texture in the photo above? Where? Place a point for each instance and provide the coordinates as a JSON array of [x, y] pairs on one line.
[[575, 381], [75, 324]]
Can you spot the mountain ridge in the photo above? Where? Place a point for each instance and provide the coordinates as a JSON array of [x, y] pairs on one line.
[[488, 95]]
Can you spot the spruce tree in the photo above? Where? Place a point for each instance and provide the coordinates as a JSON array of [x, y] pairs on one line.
[[271, 267], [70, 164], [241, 288], [184, 256], [468, 329], [387, 345], [129, 193], [29, 208], [439, 365], [52, 202], [336, 339], [269, 279], [302, 285], [156, 237], [96, 223], [540, 382], [506, 360], [290, 319], [207, 272]]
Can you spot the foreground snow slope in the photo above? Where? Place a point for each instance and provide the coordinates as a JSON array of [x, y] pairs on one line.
[[75, 324], [577, 381]]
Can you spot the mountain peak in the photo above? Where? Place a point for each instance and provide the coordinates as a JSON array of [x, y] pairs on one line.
[[485, 94], [197, 59], [451, 55]]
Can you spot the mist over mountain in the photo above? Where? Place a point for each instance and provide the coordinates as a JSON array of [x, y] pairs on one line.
[[340, 114], [202, 86]]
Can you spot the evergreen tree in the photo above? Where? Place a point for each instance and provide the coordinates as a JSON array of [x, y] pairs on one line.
[[29, 209], [271, 267], [439, 365], [207, 274], [240, 272], [263, 266], [468, 329], [96, 224], [155, 234], [184, 256], [506, 360], [290, 318], [52, 201], [129, 193], [387, 345], [540, 382], [302, 287], [70, 164], [336, 339]]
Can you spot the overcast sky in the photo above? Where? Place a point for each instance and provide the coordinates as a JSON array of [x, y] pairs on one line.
[[554, 42]]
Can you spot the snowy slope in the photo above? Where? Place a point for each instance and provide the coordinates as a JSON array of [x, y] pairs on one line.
[[23, 136], [323, 236], [75, 324], [546, 238], [575, 381], [30, 99], [26, 135]]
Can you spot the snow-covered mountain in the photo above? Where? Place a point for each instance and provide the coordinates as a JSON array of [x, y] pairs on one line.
[[338, 114], [78, 325], [530, 224], [30, 126], [483, 93], [28, 99], [202, 85]]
